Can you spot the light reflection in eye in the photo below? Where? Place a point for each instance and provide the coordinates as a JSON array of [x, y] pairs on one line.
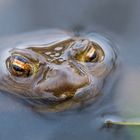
[[19, 66], [92, 53]]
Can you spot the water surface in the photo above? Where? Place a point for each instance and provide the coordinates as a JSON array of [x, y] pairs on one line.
[[120, 19]]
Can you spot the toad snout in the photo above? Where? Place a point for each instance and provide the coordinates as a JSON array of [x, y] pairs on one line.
[[60, 81]]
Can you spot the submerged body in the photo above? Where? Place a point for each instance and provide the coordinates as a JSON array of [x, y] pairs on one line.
[[56, 70]]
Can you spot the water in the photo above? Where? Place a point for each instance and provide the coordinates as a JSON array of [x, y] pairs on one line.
[[120, 19]]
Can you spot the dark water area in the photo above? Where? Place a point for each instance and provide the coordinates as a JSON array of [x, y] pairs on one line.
[[120, 19]]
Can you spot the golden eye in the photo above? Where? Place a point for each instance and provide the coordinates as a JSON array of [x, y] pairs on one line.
[[91, 53], [19, 66]]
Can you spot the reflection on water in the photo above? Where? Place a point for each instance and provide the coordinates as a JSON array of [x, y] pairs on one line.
[[121, 19], [20, 122]]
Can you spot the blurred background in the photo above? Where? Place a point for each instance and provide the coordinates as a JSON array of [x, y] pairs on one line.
[[19, 16]]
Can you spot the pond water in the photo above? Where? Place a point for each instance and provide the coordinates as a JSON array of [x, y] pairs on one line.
[[120, 19]]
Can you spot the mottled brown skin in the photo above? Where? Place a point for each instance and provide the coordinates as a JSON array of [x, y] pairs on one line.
[[59, 70]]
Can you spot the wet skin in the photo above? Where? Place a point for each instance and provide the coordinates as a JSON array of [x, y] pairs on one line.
[[56, 70]]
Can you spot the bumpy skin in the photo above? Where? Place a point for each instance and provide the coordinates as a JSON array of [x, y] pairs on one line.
[[60, 81]]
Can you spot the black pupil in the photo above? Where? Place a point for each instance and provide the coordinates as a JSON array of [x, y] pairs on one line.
[[93, 56], [17, 68]]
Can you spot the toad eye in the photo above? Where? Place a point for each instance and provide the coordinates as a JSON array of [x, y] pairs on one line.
[[91, 52], [19, 66]]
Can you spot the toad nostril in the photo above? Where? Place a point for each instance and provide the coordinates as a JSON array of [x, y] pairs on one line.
[[54, 73]]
